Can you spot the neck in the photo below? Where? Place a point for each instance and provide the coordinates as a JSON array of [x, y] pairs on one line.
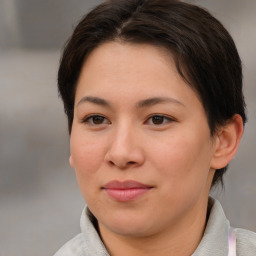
[[181, 240]]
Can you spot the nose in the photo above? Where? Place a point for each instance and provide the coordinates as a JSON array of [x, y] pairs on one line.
[[125, 149]]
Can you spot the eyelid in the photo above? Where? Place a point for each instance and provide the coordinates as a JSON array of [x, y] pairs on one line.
[[87, 119], [166, 117]]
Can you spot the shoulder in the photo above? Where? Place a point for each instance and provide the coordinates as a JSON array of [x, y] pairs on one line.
[[74, 247], [246, 242]]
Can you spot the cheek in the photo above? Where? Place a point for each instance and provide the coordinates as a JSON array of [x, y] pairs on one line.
[[87, 154], [172, 155], [183, 161]]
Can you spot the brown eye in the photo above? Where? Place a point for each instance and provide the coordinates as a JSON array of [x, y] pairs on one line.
[[96, 120], [157, 119]]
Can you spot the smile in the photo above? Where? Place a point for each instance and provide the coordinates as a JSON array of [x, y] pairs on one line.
[[126, 191]]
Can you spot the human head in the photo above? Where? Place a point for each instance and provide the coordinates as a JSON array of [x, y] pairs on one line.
[[204, 52]]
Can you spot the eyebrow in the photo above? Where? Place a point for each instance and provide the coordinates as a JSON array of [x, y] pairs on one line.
[[95, 100], [157, 100], [141, 104]]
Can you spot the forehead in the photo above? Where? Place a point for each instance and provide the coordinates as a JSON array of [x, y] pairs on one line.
[[117, 68], [114, 59], [124, 55]]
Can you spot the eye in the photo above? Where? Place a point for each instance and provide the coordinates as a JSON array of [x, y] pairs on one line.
[[96, 120], [159, 120]]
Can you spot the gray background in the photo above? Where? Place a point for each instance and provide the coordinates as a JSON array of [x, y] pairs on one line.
[[40, 203]]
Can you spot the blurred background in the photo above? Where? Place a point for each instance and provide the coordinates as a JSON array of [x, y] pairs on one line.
[[40, 203]]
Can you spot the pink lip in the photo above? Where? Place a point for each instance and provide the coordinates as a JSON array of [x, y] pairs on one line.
[[126, 190]]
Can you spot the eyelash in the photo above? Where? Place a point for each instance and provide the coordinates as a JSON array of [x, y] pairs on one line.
[[165, 119], [89, 120]]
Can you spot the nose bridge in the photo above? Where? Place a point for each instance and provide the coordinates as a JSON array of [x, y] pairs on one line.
[[125, 149], [124, 135]]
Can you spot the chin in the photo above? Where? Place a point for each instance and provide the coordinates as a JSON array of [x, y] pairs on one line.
[[131, 231], [128, 225]]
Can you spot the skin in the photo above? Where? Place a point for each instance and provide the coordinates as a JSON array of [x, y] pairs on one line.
[[173, 153]]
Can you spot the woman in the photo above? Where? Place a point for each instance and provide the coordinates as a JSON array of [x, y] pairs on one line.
[[153, 95]]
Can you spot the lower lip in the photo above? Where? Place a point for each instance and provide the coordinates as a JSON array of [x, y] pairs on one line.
[[125, 195]]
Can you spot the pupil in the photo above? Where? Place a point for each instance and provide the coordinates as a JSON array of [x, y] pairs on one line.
[[158, 119], [97, 119]]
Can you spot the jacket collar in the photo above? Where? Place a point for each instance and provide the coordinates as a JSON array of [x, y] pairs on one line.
[[214, 241]]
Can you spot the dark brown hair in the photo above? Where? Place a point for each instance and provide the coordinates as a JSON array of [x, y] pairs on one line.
[[204, 52]]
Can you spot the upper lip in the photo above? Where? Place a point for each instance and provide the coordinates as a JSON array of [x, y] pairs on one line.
[[127, 184]]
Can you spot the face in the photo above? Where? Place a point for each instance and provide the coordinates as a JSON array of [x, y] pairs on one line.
[[140, 142]]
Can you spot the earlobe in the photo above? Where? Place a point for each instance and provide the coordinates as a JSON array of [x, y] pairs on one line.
[[71, 162], [227, 142]]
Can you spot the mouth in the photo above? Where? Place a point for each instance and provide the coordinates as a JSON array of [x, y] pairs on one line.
[[125, 191]]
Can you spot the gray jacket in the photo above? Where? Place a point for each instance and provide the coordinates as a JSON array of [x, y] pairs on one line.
[[215, 241]]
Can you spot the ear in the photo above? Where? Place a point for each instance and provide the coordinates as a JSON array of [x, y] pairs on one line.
[[71, 161], [227, 142]]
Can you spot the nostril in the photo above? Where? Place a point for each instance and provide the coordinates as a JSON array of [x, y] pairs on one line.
[[111, 163], [127, 164], [131, 163]]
